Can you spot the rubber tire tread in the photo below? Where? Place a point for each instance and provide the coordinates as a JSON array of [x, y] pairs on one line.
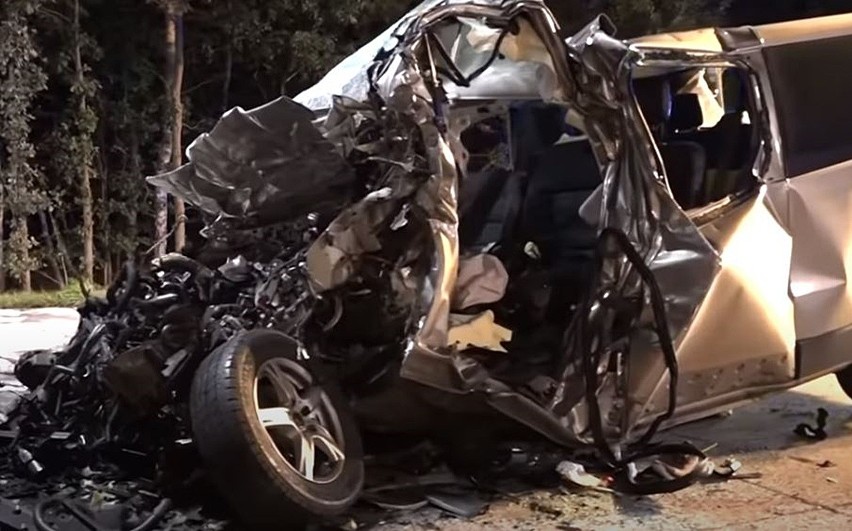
[[236, 461], [844, 378]]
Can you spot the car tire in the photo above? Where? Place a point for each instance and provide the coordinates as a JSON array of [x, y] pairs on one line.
[[844, 378], [252, 431]]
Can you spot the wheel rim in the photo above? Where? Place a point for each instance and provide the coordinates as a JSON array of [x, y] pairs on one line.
[[299, 420]]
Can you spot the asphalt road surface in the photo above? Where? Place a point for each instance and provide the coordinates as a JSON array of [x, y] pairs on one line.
[[802, 484]]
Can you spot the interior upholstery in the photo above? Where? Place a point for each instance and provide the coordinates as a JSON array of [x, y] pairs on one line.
[[563, 178], [686, 165], [686, 113]]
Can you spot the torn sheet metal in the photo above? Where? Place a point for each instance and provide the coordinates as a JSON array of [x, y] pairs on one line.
[[351, 78], [265, 165], [333, 257]]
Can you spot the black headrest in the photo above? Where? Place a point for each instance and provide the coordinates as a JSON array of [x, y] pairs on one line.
[[653, 96], [734, 88], [686, 112]]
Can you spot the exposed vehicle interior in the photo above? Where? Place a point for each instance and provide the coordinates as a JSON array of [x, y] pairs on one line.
[[701, 119], [528, 174]]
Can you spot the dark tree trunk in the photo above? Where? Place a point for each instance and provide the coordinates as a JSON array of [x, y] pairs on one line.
[[51, 250], [103, 204], [136, 172], [170, 150], [58, 231], [86, 199], [229, 72], [2, 238], [177, 125], [24, 236], [161, 201], [170, 153]]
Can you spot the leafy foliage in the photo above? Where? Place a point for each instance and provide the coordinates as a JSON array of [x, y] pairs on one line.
[[21, 79], [108, 113]]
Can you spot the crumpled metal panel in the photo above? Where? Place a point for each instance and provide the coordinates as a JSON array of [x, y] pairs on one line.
[[635, 201], [743, 335], [819, 207], [267, 164], [350, 78]]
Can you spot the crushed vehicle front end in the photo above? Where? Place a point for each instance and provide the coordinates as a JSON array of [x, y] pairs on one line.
[[400, 117]]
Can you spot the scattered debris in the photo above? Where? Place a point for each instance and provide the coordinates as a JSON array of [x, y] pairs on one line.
[[540, 507], [112, 404], [463, 503], [817, 432], [478, 331], [576, 474]]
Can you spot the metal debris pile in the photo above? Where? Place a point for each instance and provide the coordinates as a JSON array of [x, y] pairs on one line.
[[111, 407]]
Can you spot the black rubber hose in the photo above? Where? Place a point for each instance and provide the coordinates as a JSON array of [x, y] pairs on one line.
[[661, 325], [157, 515], [38, 515], [131, 283], [589, 366]]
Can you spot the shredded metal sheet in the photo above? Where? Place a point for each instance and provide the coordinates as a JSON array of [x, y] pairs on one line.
[[268, 164]]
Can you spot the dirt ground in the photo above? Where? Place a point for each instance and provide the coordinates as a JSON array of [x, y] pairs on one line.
[[802, 485]]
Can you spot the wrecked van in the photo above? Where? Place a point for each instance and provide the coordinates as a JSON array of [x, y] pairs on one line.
[[586, 239]]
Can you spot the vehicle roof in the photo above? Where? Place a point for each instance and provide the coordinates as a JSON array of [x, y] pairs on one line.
[[705, 39], [805, 30]]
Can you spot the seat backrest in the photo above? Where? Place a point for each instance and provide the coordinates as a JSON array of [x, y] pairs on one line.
[[563, 178], [686, 166], [488, 203], [686, 114]]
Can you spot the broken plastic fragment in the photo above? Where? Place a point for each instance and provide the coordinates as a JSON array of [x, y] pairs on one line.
[[576, 474], [479, 331], [459, 502], [728, 468], [673, 467], [236, 269], [532, 251]]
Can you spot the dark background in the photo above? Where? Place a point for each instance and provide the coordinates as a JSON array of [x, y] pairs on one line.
[[84, 98]]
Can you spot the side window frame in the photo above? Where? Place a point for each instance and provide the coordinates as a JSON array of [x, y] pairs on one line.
[[799, 95], [756, 108]]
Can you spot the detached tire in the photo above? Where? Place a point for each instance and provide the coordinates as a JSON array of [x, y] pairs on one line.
[[281, 448], [844, 378]]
